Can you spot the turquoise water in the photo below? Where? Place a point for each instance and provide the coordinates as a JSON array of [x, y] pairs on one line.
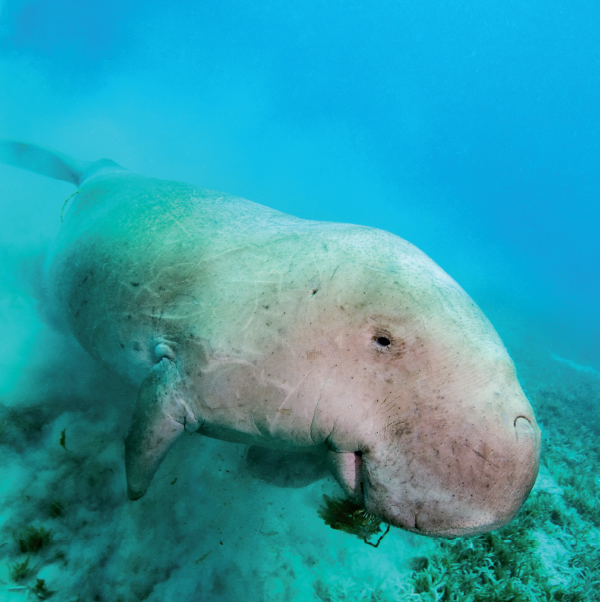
[[470, 129]]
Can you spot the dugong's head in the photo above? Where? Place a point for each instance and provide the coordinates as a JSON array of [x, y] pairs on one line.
[[427, 424], [351, 340]]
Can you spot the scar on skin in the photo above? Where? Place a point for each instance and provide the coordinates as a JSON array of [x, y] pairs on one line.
[[482, 456]]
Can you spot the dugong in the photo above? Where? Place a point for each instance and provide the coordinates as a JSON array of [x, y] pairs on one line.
[[249, 325]]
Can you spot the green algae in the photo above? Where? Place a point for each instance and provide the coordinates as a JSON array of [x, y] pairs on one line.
[[33, 539], [41, 591], [19, 571], [345, 515], [56, 508]]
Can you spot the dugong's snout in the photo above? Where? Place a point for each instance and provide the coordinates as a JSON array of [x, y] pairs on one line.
[[463, 486]]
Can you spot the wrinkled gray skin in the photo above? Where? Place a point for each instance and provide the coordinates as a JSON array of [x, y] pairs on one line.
[[249, 325]]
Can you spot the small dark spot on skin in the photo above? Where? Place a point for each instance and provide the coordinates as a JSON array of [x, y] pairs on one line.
[[402, 430], [129, 317], [77, 314], [85, 280], [161, 288], [266, 306], [315, 291], [134, 283], [137, 346], [122, 346]]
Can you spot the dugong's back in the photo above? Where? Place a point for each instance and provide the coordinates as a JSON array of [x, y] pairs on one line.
[[135, 257]]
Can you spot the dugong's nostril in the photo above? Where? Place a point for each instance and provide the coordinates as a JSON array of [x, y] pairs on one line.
[[523, 426]]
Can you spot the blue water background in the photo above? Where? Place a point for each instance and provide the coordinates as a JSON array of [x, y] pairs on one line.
[[469, 128]]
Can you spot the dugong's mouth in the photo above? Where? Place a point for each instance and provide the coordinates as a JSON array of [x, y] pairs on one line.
[[347, 468]]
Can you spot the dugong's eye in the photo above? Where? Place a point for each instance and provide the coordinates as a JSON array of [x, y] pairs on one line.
[[383, 341]]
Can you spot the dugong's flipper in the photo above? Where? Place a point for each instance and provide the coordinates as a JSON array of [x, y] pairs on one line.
[[160, 416], [48, 162]]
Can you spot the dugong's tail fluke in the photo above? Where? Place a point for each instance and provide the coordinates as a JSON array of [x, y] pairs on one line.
[[48, 162]]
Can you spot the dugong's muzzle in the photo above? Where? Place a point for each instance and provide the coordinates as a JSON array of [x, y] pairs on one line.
[[444, 485]]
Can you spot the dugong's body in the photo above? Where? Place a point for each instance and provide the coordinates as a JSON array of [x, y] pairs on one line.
[[249, 325]]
